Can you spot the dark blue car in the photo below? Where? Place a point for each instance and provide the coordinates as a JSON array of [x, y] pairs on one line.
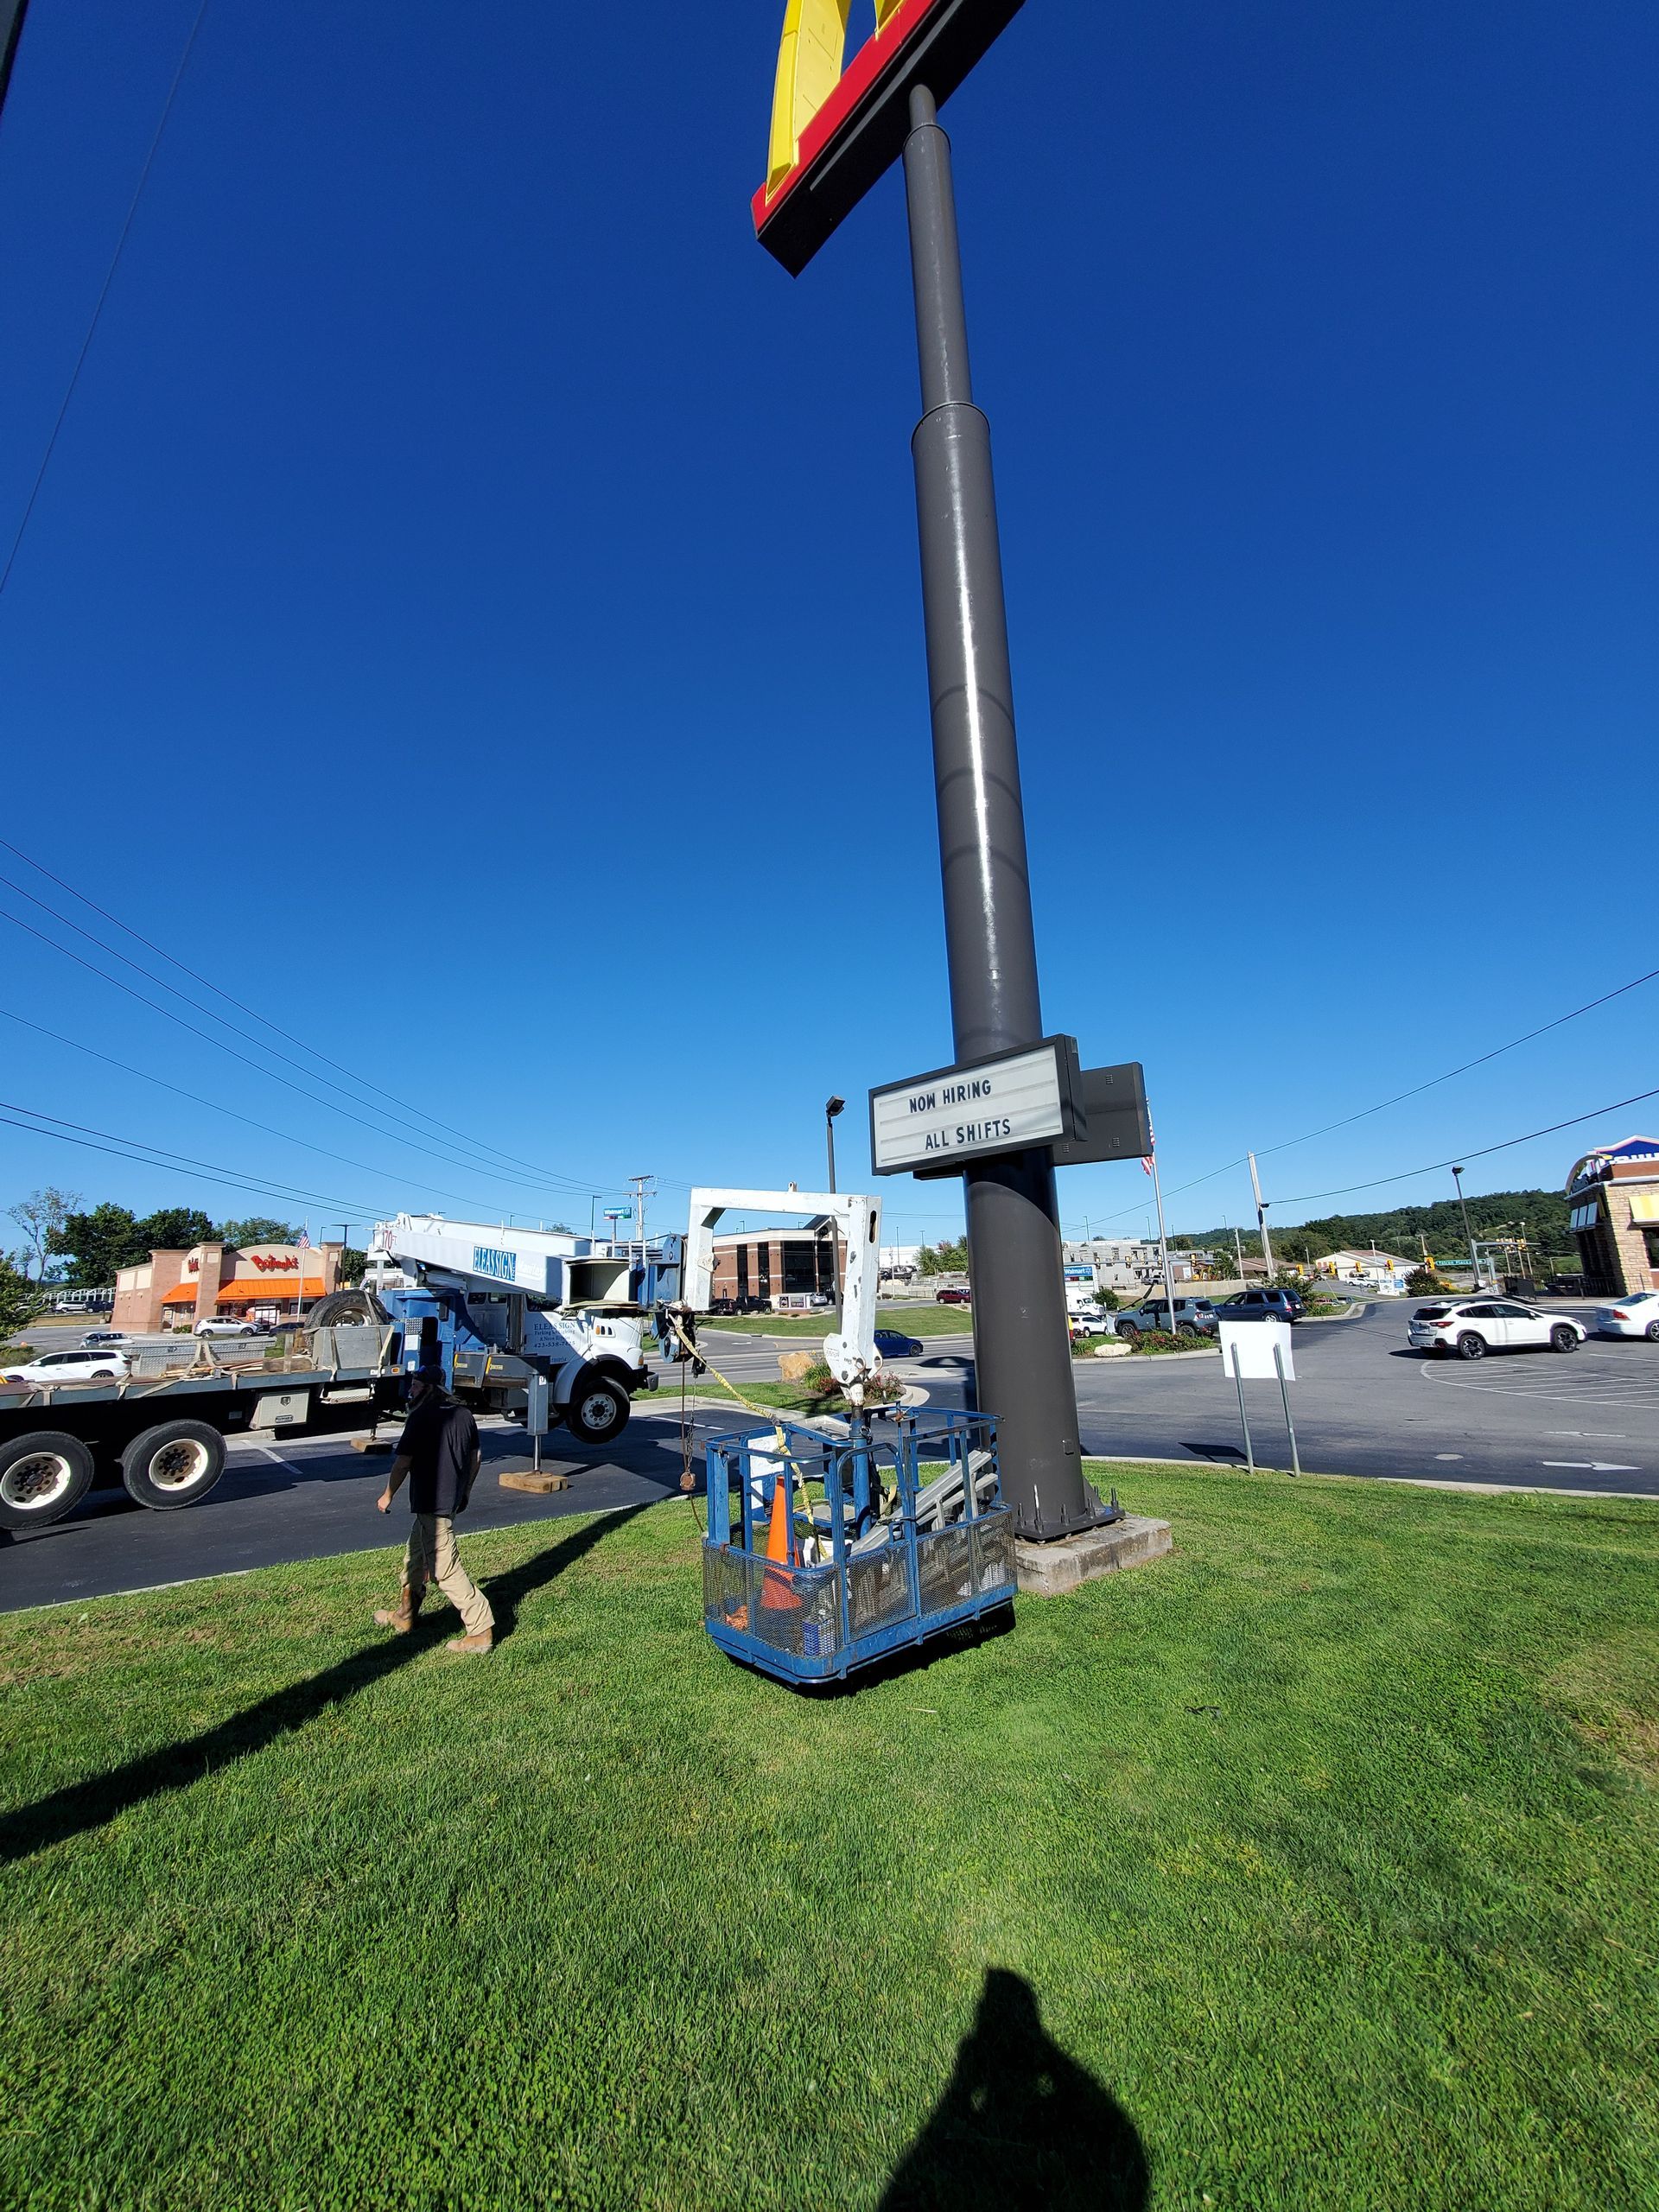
[[893, 1345]]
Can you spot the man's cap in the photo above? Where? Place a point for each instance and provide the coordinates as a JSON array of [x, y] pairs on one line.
[[431, 1372]]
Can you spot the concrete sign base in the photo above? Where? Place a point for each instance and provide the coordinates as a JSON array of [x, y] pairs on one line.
[[1050, 1570]]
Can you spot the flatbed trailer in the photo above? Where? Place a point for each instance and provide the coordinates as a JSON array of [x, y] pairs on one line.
[[161, 1431]]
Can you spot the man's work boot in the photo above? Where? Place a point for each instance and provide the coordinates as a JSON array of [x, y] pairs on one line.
[[483, 1641], [401, 1617]]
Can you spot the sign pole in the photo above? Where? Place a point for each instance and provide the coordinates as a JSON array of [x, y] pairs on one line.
[[1022, 1348], [1244, 1418], [1279, 1364], [1163, 1241]]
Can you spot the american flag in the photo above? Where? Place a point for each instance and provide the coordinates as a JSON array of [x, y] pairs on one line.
[[1145, 1164], [302, 1241]]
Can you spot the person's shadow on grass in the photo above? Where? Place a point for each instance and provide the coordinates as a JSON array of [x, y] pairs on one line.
[[1021, 2126], [92, 1804]]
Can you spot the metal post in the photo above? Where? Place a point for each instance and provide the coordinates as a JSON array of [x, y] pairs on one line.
[[1244, 1418], [1239, 1252], [1163, 1241], [1474, 1256], [1260, 1215], [1278, 1363], [1022, 1349]]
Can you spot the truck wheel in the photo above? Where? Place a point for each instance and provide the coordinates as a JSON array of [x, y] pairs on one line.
[[174, 1465], [1125, 1330], [43, 1476], [598, 1406]]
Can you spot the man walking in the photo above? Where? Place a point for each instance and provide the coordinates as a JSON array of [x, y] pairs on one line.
[[439, 1453]]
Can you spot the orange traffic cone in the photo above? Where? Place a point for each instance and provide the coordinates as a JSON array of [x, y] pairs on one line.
[[777, 1591]]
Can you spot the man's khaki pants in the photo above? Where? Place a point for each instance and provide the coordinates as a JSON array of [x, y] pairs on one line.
[[432, 1557]]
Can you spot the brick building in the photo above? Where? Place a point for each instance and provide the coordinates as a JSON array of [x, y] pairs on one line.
[[1614, 1195], [752, 1268], [268, 1282]]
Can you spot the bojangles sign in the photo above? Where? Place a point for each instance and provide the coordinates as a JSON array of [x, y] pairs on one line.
[[837, 125]]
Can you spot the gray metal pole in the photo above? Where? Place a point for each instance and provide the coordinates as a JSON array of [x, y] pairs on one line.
[[1284, 1392], [1021, 1346], [1244, 1418], [1163, 1240]]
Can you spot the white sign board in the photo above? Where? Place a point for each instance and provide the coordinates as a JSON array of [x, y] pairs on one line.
[[1254, 1342], [1001, 1105]]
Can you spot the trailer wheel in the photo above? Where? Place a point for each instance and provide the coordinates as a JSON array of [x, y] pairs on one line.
[[598, 1406], [174, 1465], [43, 1476]]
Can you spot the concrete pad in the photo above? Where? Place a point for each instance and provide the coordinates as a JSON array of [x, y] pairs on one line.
[[1050, 1570]]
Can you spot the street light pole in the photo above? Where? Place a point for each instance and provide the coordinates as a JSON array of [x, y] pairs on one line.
[[1474, 1256], [832, 1107], [1261, 1217], [1021, 1345]]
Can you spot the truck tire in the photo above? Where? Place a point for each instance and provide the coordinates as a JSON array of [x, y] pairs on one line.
[[43, 1476], [1125, 1330], [598, 1406], [174, 1465]]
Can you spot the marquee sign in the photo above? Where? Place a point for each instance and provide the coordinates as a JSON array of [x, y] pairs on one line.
[[835, 129], [935, 1124]]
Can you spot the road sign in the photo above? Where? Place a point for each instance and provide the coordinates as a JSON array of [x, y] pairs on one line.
[[835, 131]]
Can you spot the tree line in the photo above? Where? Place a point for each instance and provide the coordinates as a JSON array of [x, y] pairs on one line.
[[1404, 1231], [98, 1240]]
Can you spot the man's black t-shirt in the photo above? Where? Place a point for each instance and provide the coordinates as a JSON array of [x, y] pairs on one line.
[[439, 1439]]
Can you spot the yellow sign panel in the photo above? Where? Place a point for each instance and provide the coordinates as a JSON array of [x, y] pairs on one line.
[[810, 61], [1644, 1205]]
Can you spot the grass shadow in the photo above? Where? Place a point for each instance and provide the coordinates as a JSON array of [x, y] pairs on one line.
[[102, 1798], [1228, 1455], [1021, 2126]]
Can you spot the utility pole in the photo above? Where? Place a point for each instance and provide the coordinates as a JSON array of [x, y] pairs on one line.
[[641, 1194], [1022, 1348], [1469, 1234], [1238, 1253], [1260, 1215]]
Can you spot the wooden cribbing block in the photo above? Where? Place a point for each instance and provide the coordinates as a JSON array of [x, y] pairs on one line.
[[527, 1479]]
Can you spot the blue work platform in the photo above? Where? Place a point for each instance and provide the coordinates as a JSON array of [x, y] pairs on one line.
[[891, 1533]]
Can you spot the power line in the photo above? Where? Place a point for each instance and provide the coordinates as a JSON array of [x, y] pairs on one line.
[[486, 1209], [358, 1209], [103, 294], [270, 1074], [552, 1181], [1473, 1152]]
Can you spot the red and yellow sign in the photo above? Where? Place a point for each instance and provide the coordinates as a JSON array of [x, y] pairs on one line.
[[835, 126]]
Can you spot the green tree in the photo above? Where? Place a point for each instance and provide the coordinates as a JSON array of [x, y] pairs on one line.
[[945, 1259], [20, 1299], [354, 1264], [41, 1216], [98, 1243], [175, 1229], [257, 1228]]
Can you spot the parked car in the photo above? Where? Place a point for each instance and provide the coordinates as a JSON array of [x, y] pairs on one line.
[[1194, 1317], [214, 1327], [1473, 1326], [79, 1366], [1634, 1315], [1263, 1306], [894, 1344], [953, 1298], [94, 1337], [1089, 1321]]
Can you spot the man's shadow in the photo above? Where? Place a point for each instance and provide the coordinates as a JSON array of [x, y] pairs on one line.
[[92, 1803], [1021, 2126]]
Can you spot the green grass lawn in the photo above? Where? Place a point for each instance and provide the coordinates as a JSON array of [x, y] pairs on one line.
[[1312, 1868], [914, 1320]]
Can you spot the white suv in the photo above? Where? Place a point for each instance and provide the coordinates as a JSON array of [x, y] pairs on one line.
[[91, 1364], [1473, 1326], [212, 1328]]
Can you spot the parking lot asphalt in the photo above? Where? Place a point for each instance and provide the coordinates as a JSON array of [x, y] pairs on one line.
[[299, 1498], [1363, 1402]]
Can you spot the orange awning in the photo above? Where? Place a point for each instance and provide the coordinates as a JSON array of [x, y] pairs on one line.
[[182, 1293], [250, 1290]]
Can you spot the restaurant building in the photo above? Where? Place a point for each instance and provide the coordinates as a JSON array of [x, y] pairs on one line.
[[267, 1282], [1614, 1195], [752, 1268]]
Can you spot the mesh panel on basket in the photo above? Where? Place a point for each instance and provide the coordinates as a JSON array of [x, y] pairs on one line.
[[945, 1564], [725, 1586], [881, 1590], [994, 1551], [795, 1611]]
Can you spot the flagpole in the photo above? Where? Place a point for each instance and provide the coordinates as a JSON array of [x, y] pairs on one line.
[[1163, 1241]]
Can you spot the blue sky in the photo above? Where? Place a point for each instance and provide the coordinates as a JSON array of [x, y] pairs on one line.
[[471, 612]]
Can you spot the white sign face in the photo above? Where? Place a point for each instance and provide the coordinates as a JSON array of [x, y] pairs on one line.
[[1001, 1106], [1254, 1341]]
